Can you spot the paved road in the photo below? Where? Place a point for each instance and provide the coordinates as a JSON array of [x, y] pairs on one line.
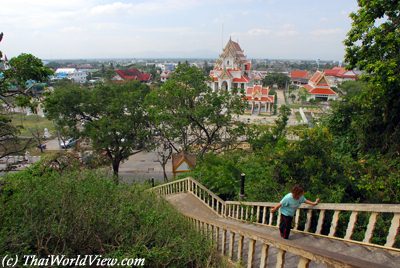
[[281, 97]]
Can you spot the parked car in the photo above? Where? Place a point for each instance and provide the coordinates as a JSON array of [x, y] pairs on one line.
[[68, 143]]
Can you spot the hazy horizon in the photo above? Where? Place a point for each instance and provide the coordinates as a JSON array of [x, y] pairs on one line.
[[92, 29]]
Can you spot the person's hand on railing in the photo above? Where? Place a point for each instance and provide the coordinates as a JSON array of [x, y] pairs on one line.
[[275, 208]]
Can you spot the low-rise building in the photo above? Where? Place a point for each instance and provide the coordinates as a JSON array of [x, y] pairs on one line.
[[318, 88], [183, 162], [299, 77], [131, 74], [337, 75], [73, 74]]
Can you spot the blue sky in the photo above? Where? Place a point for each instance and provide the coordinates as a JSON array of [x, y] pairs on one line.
[[285, 29]]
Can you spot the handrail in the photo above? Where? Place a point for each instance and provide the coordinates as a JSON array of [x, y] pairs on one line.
[[260, 213], [218, 232], [382, 208]]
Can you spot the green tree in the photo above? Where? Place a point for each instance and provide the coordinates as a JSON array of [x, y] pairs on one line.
[[21, 69], [112, 116], [192, 117], [373, 45], [26, 67], [261, 136], [280, 79]]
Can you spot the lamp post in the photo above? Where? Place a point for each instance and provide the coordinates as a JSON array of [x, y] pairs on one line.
[[242, 178]]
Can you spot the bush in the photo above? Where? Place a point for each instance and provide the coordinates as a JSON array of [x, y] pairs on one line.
[[84, 212]]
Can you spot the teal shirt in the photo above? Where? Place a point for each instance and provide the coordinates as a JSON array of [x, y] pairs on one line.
[[290, 205]]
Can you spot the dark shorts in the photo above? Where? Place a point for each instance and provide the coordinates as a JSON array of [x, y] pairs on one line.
[[285, 226]]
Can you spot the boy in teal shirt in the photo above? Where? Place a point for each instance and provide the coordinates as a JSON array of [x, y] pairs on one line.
[[288, 205]]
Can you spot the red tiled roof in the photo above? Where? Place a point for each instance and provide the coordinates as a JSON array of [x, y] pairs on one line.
[[340, 72], [308, 87], [133, 74], [243, 79], [316, 77], [319, 91], [331, 72], [298, 74], [324, 91]]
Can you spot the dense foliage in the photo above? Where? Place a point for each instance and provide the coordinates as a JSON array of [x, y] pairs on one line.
[[44, 210], [373, 45], [323, 160]]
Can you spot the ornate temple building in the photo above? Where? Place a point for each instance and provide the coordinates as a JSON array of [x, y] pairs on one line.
[[318, 88], [232, 70], [259, 99], [232, 73]]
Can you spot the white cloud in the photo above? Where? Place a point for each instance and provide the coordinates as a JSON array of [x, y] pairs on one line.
[[287, 30], [143, 8], [111, 8], [259, 31], [72, 29], [326, 32]]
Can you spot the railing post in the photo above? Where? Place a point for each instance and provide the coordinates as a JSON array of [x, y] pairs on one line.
[[320, 221], [223, 243], [264, 215], [394, 228], [240, 248], [264, 256], [371, 227], [280, 258], [308, 222], [303, 263], [350, 226], [335, 219], [296, 219], [212, 231], [217, 236], [250, 255], [231, 244]]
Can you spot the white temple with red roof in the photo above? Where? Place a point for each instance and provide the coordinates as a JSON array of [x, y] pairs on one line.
[[318, 88], [231, 71]]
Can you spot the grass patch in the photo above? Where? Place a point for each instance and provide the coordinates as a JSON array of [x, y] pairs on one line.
[[299, 105], [29, 122]]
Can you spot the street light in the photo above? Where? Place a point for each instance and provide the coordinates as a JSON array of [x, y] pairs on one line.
[[242, 178]]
